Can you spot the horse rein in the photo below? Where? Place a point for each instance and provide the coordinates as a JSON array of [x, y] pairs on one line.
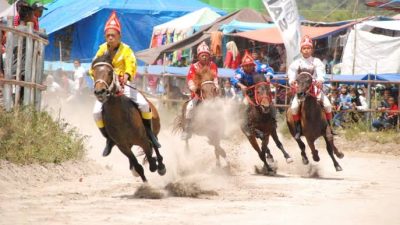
[[113, 82], [257, 102], [201, 85]]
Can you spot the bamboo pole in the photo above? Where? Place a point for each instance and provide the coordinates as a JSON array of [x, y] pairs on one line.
[[28, 65], [34, 68], [7, 91], [19, 59], [40, 75]]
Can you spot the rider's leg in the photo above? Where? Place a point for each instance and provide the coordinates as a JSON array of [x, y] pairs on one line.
[[187, 131], [294, 107], [328, 110], [246, 126], [147, 115], [100, 124]]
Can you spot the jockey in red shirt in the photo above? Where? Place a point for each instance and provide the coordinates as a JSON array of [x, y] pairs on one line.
[[203, 56]]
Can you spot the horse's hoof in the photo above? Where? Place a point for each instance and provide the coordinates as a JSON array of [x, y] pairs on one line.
[[161, 170], [315, 158], [134, 173], [338, 168], [340, 155], [289, 160], [305, 161]]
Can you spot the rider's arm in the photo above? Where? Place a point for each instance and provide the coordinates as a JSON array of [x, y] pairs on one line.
[[320, 70], [130, 63], [292, 72], [190, 78]]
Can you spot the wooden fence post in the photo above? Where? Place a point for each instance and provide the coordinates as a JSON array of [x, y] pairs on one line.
[[28, 65], [40, 75], [7, 91]]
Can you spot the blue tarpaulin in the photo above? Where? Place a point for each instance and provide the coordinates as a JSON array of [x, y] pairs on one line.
[[85, 20], [238, 26]]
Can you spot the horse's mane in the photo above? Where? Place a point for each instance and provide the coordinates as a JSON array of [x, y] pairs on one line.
[[103, 58], [257, 78], [203, 74]]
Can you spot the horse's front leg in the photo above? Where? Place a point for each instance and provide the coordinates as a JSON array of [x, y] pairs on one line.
[[264, 147], [314, 151], [160, 165], [134, 165], [280, 146], [330, 152], [261, 154], [302, 147]]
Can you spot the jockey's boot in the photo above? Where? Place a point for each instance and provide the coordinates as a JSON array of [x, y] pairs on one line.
[[187, 130], [109, 143], [149, 130], [330, 125], [297, 128]]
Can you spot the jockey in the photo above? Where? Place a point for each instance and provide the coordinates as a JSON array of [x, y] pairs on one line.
[[204, 60], [310, 63], [243, 78], [124, 63]]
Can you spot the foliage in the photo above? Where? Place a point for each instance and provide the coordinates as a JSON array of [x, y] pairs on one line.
[[361, 130], [28, 136]]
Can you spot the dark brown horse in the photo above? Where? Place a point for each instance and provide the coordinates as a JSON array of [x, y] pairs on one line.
[[122, 118], [313, 120], [206, 119], [262, 121]]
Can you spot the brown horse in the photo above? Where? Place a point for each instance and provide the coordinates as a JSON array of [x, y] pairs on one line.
[[122, 118], [206, 120], [313, 120], [262, 121]]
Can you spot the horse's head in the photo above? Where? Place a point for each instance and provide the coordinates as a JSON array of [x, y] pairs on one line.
[[304, 81], [262, 93], [104, 78], [205, 83]]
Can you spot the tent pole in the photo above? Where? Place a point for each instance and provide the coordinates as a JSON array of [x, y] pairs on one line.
[[355, 45]]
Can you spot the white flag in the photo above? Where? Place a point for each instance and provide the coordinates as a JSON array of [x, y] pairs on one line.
[[286, 17]]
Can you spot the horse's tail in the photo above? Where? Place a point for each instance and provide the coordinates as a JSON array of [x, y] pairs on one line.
[[178, 124]]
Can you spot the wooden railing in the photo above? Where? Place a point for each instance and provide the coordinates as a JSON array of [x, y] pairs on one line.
[[24, 64]]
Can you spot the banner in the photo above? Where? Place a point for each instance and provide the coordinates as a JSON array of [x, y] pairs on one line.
[[286, 17]]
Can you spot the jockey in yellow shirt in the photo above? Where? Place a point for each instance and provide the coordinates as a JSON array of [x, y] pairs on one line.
[[124, 63]]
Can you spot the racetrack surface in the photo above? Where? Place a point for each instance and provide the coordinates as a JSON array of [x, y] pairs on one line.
[[102, 190]]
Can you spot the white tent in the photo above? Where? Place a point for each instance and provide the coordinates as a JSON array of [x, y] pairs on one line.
[[8, 10], [183, 26], [371, 53], [3, 5], [185, 23]]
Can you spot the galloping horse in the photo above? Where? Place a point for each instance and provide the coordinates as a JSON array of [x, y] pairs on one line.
[[261, 119], [209, 124], [122, 118], [313, 120]]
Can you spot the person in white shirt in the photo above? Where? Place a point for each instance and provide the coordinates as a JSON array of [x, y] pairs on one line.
[[79, 72], [310, 63]]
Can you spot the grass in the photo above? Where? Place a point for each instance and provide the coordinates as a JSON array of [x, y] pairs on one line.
[[28, 136]]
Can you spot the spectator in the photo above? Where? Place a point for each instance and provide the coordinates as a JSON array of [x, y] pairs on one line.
[[387, 119], [37, 11], [233, 57], [359, 103], [344, 104], [228, 92], [78, 75]]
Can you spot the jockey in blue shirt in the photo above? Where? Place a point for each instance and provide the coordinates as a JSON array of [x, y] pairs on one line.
[[243, 78]]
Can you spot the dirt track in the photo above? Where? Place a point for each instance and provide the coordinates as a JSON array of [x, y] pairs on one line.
[[101, 190]]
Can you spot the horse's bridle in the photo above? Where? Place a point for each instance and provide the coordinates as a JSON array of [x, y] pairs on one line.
[[201, 85], [257, 102], [114, 79], [309, 90]]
